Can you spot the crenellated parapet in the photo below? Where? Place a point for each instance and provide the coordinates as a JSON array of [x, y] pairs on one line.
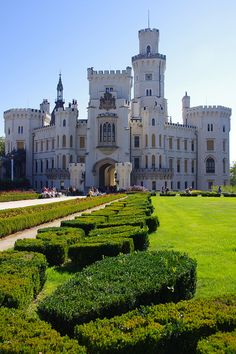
[[208, 110], [108, 74], [180, 126]]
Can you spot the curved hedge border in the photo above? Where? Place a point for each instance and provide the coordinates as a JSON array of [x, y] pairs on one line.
[[22, 276], [219, 343], [13, 220], [52, 242], [23, 334], [162, 329], [118, 284]]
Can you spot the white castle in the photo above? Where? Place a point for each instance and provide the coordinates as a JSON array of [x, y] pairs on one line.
[[124, 140]]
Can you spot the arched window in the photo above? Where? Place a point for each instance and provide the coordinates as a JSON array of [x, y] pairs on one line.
[[109, 132], [113, 133], [146, 140], [47, 164], [64, 123], [36, 166], [71, 141], [153, 140], [41, 169], [154, 185], [64, 162], [100, 133], [160, 142], [153, 161], [210, 165], [146, 161], [153, 122], [105, 132], [224, 165], [57, 140], [160, 161], [148, 50], [63, 141], [71, 158]]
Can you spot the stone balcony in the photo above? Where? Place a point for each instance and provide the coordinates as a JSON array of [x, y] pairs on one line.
[[153, 173], [57, 173]]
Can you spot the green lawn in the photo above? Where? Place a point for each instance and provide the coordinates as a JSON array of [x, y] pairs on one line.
[[205, 228]]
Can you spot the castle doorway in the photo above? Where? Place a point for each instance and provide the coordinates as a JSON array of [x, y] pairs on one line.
[[106, 176]]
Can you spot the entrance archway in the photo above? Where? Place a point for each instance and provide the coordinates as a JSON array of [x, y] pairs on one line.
[[104, 172]]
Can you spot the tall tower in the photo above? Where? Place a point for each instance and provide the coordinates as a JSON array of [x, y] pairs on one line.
[[149, 66], [59, 101]]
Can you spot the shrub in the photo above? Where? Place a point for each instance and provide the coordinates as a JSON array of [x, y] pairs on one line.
[[165, 329], [87, 224], [96, 248], [118, 284], [13, 220], [139, 235], [22, 276], [52, 242], [168, 194], [152, 223], [221, 342], [20, 333]]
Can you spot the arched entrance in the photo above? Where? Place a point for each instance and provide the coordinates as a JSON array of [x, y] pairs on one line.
[[106, 176], [104, 172]]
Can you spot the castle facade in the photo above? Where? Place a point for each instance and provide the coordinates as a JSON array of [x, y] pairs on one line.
[[124, 141]]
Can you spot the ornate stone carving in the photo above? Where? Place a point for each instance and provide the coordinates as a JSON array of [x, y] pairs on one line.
[[107, 102]]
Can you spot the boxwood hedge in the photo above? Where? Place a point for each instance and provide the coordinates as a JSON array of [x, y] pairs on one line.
[[93, 249], [13, 220], [22, 275], [219, 343], [163, 329], [20, 334], [52, 242], [118, 284], [139, 235]]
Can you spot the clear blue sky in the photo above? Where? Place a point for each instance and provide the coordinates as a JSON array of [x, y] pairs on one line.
[[40, 38]]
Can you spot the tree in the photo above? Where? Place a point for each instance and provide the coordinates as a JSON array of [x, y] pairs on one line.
[[233, 174], [2, 146]]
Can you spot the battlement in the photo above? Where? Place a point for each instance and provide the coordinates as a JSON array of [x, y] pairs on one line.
[[209, 110], [148, 30], [23, 110], [180, 126], [108, 73], [82, 122]]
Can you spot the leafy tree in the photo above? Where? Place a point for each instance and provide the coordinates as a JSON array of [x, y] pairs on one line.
[[2, 146], [233, 174]]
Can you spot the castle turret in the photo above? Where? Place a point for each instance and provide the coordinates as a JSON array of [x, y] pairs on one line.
[[185, 106]]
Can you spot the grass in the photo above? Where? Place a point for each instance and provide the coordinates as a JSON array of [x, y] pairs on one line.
[[205, 228]]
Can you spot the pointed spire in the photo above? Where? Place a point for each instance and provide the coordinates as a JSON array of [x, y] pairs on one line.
[[59, 85]]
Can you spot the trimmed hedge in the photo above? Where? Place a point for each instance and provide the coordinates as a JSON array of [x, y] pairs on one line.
[[139, 235], [118, 284], [22, 276], [163, 329], [53, 243], [20, 333], [220, 343], [13, 220], [16, 195], [96, 248], [87, 224]]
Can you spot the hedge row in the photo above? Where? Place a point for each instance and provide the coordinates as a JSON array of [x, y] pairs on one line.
[[118, 284], [163, 329], [13, 220], [20, 333], [137, 234], [52, 242], [22, 276], [93, 249], [220, 343], [13, 196]]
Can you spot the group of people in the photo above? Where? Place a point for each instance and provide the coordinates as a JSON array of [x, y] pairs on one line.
[[50, 193], [93, 192]]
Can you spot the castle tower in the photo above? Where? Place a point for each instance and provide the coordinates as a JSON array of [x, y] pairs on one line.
[[149, 66], [185, 107]]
